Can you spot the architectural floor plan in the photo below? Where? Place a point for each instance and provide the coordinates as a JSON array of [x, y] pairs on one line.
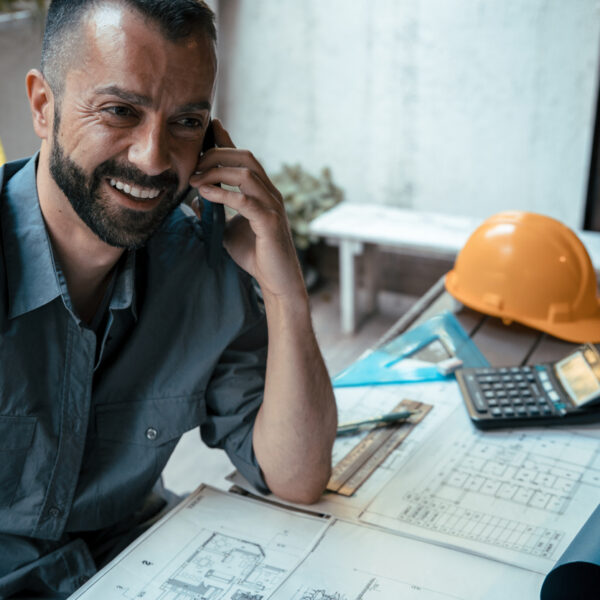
[[519, 497], [215, 546]]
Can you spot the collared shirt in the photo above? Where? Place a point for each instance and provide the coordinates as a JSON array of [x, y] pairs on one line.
[[88, 419]]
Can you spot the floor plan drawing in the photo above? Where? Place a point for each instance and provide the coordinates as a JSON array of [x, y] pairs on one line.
[[223, 567], [214, 546], [354, 562], [514, 496]]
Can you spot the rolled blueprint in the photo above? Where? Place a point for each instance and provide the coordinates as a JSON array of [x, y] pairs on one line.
[[576, 574]]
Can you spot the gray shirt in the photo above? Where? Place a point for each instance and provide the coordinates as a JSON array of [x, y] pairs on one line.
[[88, 418]]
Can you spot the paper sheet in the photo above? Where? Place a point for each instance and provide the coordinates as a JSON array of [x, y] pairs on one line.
[[516, 496], [356, 403], [214, 545], [355, 562]]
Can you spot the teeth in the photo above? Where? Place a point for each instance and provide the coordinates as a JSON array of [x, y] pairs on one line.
[[136, 192]]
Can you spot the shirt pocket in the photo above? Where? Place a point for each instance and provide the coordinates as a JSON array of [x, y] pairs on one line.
[[136, 439], [16, 435]]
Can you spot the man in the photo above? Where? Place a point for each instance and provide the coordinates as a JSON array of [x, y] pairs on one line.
[[120, 328]]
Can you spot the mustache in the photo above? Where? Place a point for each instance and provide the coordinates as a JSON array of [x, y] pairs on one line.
[[114, 170]]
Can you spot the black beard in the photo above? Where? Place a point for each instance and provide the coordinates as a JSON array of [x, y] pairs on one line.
[[116, 225]]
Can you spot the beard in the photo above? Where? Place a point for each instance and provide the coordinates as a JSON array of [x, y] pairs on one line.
[[115, 225]]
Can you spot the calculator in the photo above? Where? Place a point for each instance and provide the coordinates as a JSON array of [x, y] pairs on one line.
[[564, 392]]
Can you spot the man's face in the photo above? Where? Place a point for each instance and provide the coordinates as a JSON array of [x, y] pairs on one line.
[[129, 126]]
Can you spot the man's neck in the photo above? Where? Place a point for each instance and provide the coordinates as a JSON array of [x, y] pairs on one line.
[[86, 261]]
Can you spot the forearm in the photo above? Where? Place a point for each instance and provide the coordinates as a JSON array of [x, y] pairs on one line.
[[295, 427]]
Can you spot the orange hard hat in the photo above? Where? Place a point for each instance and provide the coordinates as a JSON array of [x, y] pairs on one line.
[[530, 268]]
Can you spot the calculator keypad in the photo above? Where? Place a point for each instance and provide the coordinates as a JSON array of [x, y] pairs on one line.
[[511, 392]]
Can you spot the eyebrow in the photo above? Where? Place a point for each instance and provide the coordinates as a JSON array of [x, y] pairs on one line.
[[141, 100]]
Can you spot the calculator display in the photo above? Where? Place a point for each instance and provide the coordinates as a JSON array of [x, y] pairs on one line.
[[578, 378]]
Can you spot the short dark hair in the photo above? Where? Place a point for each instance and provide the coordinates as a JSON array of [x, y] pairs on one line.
[[176, 19]]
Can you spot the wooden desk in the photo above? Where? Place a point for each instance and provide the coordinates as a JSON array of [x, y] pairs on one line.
[[502, 345]]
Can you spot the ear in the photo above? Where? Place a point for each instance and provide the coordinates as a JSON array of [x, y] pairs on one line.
[[41, 102]]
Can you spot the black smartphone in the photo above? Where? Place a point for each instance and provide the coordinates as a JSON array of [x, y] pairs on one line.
[[213, 215]]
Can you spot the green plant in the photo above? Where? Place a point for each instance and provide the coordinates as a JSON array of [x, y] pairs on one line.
[[305, 197]]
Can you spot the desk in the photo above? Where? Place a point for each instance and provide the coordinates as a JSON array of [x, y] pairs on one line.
[[365, 561]]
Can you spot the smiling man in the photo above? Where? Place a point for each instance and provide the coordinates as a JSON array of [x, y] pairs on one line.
[[117, 333]]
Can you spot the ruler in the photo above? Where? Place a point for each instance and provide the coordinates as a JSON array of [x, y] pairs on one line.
[[356, 467]]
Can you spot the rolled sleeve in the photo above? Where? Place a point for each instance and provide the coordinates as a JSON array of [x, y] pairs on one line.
[[235, 392]]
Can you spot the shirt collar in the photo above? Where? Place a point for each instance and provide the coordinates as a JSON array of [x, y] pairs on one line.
[[30, 271], [30, 274]]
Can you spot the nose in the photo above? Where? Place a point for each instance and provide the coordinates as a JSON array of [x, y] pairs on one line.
[[149, 150]]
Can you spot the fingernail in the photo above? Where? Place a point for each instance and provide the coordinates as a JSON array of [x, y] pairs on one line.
[[205, 189]]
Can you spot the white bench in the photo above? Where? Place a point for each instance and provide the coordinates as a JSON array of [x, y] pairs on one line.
[[364, 228]]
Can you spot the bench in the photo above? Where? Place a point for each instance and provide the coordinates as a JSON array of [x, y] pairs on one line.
[[364, 229]]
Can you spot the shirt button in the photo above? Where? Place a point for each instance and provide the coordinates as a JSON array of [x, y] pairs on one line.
[[54, 512], [151, 433]]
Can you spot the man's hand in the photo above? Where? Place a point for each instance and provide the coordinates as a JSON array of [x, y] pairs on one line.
[[259, 237], [295, 427]]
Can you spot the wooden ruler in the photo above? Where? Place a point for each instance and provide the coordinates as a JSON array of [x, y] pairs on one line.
[[356, 467]]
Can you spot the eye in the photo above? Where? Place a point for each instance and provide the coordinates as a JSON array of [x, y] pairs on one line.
[[190, 122], [119, 111]]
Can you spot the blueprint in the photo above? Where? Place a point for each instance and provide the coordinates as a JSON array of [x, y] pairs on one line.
[[356, 403], [516, 496], [215, 546], [353, 562]]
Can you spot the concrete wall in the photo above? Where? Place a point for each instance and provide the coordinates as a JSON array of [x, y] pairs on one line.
[[20, 48], [463, 106]]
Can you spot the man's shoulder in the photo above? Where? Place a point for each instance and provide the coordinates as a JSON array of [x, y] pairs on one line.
[[9, 169]]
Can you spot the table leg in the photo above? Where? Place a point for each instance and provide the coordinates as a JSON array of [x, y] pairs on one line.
[[348, 288]]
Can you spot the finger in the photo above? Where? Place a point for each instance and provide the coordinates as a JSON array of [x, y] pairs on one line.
[[236, 158], [246, 180], [260, 217], [222, 137]]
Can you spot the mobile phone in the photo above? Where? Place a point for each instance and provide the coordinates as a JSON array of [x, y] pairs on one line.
[[564, 392], [213, 215]]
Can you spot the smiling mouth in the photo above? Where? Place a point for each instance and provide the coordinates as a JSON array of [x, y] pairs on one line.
[[135, 192]]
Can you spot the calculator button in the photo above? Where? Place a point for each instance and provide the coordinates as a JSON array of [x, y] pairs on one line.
[[505, 402], [543, 376], [510, 386], [496, 412], [513, 393], [517, 401], [493, 402], [525, 393], [530, 378], [515, 370], [502, 370], [501, 393], [489, 394], [509, 411], [506, 378], [521, 412], [534, 410], [531, 401], [554, 396], [547, 386], [485, 387], [518, 377], [546, 411], [498, 386], [535, 389], [478, 401], [523, 385]]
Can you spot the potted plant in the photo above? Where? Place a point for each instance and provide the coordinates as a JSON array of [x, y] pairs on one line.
[[305, 197]]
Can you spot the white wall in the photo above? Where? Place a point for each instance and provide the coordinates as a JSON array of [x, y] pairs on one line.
[[20, 49], [465, 106]]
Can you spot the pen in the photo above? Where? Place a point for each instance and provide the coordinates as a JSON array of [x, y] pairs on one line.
[[356, 426]]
